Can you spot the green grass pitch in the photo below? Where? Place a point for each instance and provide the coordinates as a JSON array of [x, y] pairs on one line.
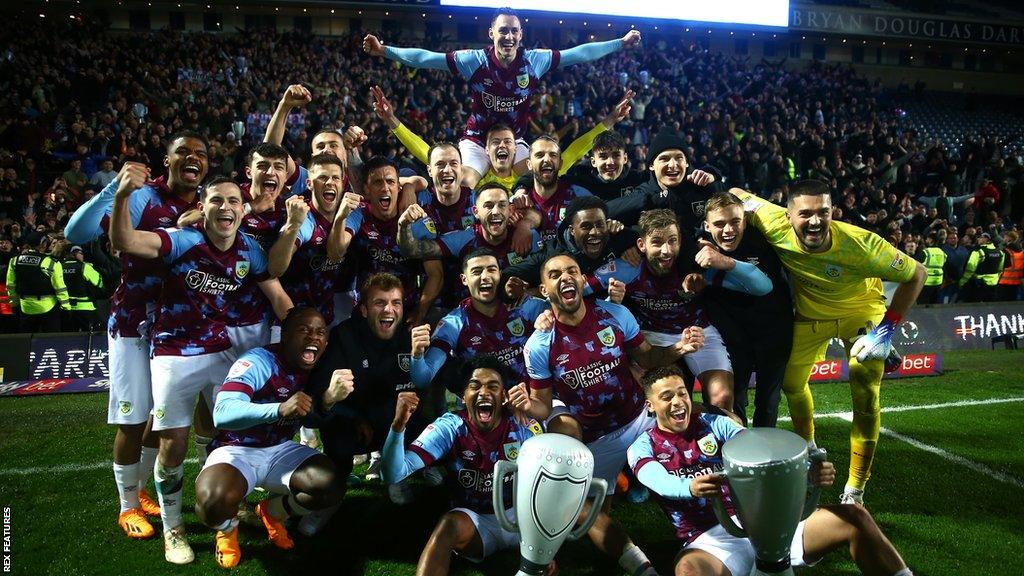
[[952, 503]]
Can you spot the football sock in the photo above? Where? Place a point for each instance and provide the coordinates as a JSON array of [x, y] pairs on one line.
[[227, 526], [865, 382], [202, 447], [801, 410], [169, 480], [634, 561], [126, 476], [146, 465], [861, 454], [307, 434], [281, 507], [904, 572]]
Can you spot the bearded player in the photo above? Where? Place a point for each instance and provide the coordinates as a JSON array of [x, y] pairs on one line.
[[837, 270]]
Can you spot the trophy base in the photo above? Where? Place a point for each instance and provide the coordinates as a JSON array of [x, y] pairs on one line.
[[528, 568], [766, 568]]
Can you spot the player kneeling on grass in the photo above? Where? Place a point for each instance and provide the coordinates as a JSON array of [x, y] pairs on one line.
[[258, 412], [673, 461], [477, 436]]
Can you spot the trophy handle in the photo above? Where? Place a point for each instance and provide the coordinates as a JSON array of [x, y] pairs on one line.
[[595, 508], [503, 468], [813, 491], [718, 505]]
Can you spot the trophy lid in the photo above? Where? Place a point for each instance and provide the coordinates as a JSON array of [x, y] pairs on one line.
[[764, 446]]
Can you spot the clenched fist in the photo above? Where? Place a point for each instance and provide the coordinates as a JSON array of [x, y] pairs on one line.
[[342, 384], [404, 407], [295, 407]]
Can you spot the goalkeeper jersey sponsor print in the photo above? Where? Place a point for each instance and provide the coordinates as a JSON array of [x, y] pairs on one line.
[[588, 367], [473, 455], [695, 452], [844, 281]]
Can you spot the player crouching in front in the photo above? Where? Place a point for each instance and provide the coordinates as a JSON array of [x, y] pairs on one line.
[[476, 437], [676, 461], [258, 411]]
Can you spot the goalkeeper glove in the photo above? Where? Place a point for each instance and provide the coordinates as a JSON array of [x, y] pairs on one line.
[[877, 343]]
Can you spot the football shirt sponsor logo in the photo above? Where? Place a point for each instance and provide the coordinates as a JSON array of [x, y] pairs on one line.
[[209, 283]]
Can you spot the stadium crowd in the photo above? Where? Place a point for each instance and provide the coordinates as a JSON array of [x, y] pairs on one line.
[[74, 113], [138, 135]]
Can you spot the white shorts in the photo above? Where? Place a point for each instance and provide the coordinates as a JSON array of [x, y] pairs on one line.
[[475, 156], [131, 387], [269, 468], [610, 450], [712, 356], [245, 338], [179, 380], [737, 553], [494, 537]]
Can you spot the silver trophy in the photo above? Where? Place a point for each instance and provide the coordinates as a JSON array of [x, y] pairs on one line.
[[767, 471], [553, 474]]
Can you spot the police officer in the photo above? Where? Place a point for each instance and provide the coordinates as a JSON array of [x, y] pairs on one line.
[[84, 286], [35, 283], [934, 260], [982, 272]]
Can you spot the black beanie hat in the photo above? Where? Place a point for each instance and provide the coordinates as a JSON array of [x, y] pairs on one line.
[[666, 139]]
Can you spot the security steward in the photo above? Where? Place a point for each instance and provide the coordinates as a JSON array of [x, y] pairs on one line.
[[982, 272], [934, 259]]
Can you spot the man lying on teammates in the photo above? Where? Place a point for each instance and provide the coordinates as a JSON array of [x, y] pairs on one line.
[[673, 460]]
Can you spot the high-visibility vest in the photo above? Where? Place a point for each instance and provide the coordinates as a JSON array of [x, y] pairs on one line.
[[989, 265], [1014, 272], [934, 260]]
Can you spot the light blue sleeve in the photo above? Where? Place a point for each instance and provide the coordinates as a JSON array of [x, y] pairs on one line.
[[538, 352], [724, 427], [301, 185], [417, 58], [534, 307], [618, 269], [354, 221], [627, 322], [424, 369], [233, 408], [745, 277], [589, 51], [182, 240], [581, 191], [306, 230], [236, 411], [456, 240], [85, 225], [257, 255], [468, 61], [397, 464], [438, 438], [540, 60], [424, 229], [652, 474]]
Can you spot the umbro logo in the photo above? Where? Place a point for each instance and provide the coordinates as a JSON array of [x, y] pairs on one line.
[[562, 359]]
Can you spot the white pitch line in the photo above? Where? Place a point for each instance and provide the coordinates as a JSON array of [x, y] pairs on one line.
[[976, 466], [69, 468]]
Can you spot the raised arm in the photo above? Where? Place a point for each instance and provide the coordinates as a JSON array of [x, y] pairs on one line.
[[414, 57], [84, 224], [280, 256], [386, 112], [123, 235], [340, 238], [397, 464], [296, 95], [407, 242], [594, 50]]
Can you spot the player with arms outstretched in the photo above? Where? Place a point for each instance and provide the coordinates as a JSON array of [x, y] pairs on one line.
[[502, 78], [837, 269]]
